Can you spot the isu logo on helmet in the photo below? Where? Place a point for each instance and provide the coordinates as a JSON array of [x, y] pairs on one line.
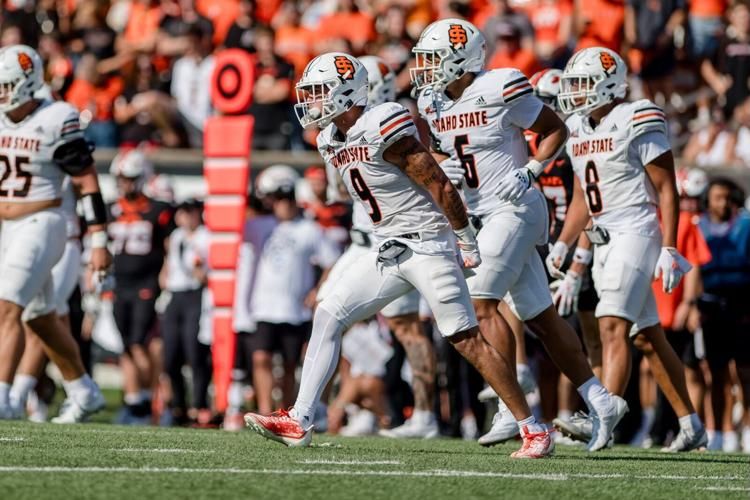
[[24, 60], [608, 62], [457, 36], [345, 67]]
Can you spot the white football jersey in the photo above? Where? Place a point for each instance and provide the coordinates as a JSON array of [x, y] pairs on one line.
[[26, 149], [483, 130], [610, 161], [395, 205]]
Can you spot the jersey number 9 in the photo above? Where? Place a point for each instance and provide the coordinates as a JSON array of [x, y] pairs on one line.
[[364, 193]]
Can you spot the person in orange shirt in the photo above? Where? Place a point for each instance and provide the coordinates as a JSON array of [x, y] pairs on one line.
[[678, 313], [94, 95], [142, 27], [599, 23], [509, 53], [705, 24], [347, 23], [553, 24], [293, 41]]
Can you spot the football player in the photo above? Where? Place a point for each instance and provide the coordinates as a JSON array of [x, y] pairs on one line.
[[65, 277], [624, 175], [402, 314], [139, 229], [40, 143], [418, 219], [477, 119]]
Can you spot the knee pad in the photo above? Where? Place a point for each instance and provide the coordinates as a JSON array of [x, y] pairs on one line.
[[445, 281]]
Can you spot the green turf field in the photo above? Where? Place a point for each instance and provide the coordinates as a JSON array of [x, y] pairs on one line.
[[39, 461]]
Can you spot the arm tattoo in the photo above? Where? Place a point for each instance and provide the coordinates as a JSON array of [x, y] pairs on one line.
[[410, 155]]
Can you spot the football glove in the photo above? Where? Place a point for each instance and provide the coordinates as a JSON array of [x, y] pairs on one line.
[[467, 243], [566, 295], [671, 267], [515, 184], [555, 259], [454, 171]]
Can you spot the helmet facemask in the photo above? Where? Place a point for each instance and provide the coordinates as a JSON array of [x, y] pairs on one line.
[[10, 95], [315, 105], [428, 72], [579, 93]]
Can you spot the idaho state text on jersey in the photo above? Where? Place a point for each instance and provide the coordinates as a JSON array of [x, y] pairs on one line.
[[22, 143], [603, 145], [461, 120], [349, 155]]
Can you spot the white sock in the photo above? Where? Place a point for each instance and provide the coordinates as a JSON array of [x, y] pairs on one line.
[[80, 385], [690, 423], [731, 442], [647, 419], [592, 391], [235, 397], [4, 393], [321, 360], [531, 425], [22, 385], [564, 414], [421, 415]]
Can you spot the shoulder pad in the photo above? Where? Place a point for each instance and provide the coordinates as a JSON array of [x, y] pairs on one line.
[[74, 156], [646, 116], [390, 120], [513, 84]]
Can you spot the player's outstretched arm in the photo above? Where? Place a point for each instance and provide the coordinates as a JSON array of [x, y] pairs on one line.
[[412, 157]]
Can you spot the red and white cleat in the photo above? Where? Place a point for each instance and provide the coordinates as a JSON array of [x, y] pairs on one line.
[[535, 445], [279, 426]]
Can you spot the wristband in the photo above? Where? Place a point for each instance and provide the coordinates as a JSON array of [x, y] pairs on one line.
[[583, 256], [535, 167], [94, 209], [99, 239], [465, 234]]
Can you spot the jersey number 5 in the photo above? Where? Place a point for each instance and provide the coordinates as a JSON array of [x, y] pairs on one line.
[[593, 195], [19, 174], [467, 161], [364, 193]]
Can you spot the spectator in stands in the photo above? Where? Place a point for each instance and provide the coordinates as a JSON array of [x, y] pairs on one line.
[[179, 16], [728, 72], [241, 32], [394, 45], [711, 146], [285, 285], [273, 85], [723, 306], [142, 28], [94, 94], [649, 32], [348, 23], [553, 24], [705, 24], [335, 217], [510, 52], [90, 31], [184, 277], [145, 112], [599, 23], [496, 18], [58, 66], [740, 153], [293, 41], [191, 83]]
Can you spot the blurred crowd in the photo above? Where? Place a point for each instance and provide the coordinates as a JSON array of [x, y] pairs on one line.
[[139, 70]]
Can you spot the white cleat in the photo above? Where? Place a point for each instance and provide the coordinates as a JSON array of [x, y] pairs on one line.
[[415, 427], [79, 409], [604, 423], [525, 379], [362, 423], [746, 440], [504, 428], [688, 441], [579, 426], [486, 394]]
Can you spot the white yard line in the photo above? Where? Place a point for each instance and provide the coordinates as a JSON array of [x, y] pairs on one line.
[[723, 488], [318, 472], [349, 462], [12, 439], [161, 450]]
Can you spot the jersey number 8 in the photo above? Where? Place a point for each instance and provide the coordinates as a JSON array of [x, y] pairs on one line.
[[593, 195]]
